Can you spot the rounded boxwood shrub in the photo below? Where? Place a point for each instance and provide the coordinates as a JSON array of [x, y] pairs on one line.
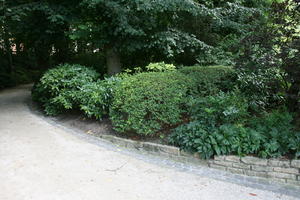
[[59, 88], [147, 103]]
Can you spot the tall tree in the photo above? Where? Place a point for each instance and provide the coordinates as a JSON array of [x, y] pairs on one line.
[[275, 43], [118, 25], [40, 27]]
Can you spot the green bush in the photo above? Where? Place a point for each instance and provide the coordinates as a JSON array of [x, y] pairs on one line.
[[160, 67], [95, 98], [209, 141], [147, 103], [271, 135], [219, 109], [263, 88], [277, 128], [210, 80], [213, 130], [59, 88], [294, 144]]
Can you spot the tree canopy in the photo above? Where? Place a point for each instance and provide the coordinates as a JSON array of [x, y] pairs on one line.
[[182, 31]]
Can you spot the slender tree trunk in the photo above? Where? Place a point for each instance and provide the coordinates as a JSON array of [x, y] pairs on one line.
[[293, 97], [42, 52], [113, 61]]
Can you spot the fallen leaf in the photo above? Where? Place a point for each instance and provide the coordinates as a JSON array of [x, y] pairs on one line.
[[252, 194]]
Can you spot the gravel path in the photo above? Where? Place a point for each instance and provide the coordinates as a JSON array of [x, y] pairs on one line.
[[41, 161]]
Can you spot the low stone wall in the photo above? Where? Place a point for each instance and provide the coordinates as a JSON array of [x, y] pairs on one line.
[[277, 170], [284, 171], [274, 170]]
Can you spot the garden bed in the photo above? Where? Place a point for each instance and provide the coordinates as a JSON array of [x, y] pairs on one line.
[[281, 170], [204, 110]]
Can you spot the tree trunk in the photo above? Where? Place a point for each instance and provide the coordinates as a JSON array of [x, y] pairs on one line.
[[113, 61], [42, 52], [293, 97]]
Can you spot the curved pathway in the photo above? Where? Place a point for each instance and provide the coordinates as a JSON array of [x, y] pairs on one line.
[[40, 161]]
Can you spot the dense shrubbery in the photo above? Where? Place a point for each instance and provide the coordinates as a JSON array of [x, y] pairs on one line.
[[271, 135], [146, 103], [263, 88], [223, 123], [95, 98], [210, 80], [208, 110], [222, 140], [149, 102], [59, 88], [219, 109]]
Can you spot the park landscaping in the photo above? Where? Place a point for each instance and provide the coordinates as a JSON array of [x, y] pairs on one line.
[[209, 110], [211, 77]]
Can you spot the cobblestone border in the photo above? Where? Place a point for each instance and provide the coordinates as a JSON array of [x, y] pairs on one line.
[[275, 170]]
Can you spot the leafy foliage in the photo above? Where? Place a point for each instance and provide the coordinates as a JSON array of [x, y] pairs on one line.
[[147, 103], [59, 88], [219, 109], [95, 98], [160, 67], [209, 141], [263, 88], [210, 80], [269, 136], [276, 45], [278, 131], [51, 32]]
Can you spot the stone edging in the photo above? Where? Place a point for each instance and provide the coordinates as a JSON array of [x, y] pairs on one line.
[[277, 170], [281, 171]]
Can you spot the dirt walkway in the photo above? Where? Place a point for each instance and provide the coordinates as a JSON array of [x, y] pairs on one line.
[[43, 162]]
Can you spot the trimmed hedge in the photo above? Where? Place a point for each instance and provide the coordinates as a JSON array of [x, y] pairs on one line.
[[210, 80], [148, 103]]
